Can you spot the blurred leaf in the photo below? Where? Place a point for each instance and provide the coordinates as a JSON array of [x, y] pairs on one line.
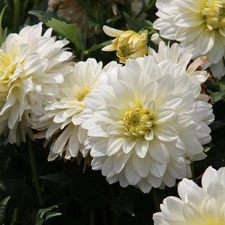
[[98, 46], [114, 19], [89, 11], [56, 177], [3, 205], [134, 23], [3, 32], [43, 16], [216, 125], [17, 188], [69, 31], [217, 96], [45, 214]]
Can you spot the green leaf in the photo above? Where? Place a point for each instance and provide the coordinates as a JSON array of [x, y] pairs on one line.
[[96, 47], [3, 32], [134, 23], [43, 16], [217, 96], [52, 214], [69, 31], [45, 214], [3, 205], [56, 177]]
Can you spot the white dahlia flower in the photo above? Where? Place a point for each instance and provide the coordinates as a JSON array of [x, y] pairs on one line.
[[197, 23], [196, 205], [61, 123], [145, 124], [177, 54], [31, 66]]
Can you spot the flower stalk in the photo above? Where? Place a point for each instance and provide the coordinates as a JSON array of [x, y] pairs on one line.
[[34, 171]]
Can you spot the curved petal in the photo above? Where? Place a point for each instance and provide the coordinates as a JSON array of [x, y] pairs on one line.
[[188, 19], [206, 41]]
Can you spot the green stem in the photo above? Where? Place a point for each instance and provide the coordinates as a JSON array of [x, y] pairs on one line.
[[15, 215], [92, 217], [1, 177], [192, 171], [36, 2], [116, 218], [86, 28], [16, 16], [34, 171], [155, 199]]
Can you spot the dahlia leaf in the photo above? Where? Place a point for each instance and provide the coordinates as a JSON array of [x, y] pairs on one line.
[[3, 205], [45, 214], [217, 96], [69, 31], [136, 24], [43, 16]]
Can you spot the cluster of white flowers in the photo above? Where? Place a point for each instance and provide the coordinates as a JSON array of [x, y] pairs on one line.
[[143, 123], [197, 23]]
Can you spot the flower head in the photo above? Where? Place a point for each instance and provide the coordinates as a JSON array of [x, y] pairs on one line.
[[145, 124], [201, 206], [128, 44], [177, 54], [61, 123], [197, 23], [31, 66]]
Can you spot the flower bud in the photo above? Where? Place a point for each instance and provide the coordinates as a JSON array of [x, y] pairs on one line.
[[128, 44]]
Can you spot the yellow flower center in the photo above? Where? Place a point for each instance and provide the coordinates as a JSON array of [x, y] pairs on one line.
[[214, 13], [82, 93], [7, 77], [137, 122]]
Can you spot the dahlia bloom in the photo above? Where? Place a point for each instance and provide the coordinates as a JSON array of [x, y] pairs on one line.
[[128, 44], [197, 23], [31, 66], [61, 123], [177, 54], [146, 123], [196, 205]]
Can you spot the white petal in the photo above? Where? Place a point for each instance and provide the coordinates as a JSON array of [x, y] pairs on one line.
[[141, 147], [129, 144], [192, 5], [99, 148], [191, 215], [74, 144], [209, 175], [217, 51], [111, 31], [206, 41], [114, 145], [218, 69], [165, 133], [188, 19], [159, 152], [132, 177], [157, 169], [144, 186], [141, 165], [107, 166], [120, 161]]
